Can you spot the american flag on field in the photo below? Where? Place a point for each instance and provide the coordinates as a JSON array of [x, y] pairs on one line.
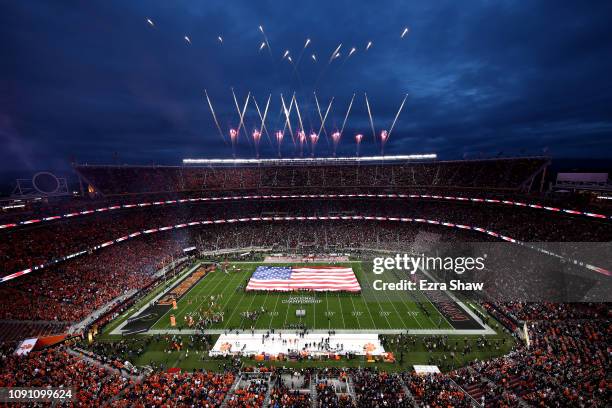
[[318, 278]]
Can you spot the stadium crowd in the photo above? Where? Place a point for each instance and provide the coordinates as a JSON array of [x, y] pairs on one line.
[[70, 290], [506, 174], [565, 362], [38, 244]]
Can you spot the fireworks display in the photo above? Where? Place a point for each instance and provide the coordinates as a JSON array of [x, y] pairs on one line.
[[314, 138], [291, 114], [279, 140], [301, 141], [335, 139], [358, 139], [292, 119], [256, 139], [233, 134]]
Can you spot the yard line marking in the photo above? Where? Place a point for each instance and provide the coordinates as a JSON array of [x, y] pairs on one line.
[[394, 308], [314, 313], [286, 315], [378, 301], [327, 312], [232, 279], [272, 315], [357, 317], [264, 304], [187, 294], [367, 307], [409, 307], [236, 308], [201, 292], [342, 312], [249, 308], [229, 298]]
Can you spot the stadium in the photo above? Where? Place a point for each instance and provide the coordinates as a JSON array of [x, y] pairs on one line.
[[344, 243], [150, 282]]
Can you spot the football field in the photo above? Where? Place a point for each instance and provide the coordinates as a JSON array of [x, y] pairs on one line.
[[224, 293]]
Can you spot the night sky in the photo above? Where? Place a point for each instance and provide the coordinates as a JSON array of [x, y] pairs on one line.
[[87, 79]]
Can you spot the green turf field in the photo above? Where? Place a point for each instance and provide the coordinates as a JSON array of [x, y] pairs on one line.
[[367, 311], [370, 310]]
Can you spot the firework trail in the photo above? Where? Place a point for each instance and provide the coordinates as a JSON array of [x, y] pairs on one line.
[[306, 44], [320, 116], [233, 136], [266, 39], [263, 44], [279, 140], [370, 116], [297, 62], [214, 116], [325, 117], [397, 115], [297, 109], [288, 115], [369, 45], [358, 139], [241, 114], [263, 118], [384, 136], [302, 141], [406, 30], [220, 39], [336, 140], [335, 54], [187, 40], [256, 139], [314, 57], [150, 22], [314, 138], [347, 114]]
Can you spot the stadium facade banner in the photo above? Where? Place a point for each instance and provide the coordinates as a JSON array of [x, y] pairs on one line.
[[26, 346], [317, 278]]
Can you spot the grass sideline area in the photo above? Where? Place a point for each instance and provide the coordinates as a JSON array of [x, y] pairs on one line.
[[163, 284], [157, 351], [329, 310]]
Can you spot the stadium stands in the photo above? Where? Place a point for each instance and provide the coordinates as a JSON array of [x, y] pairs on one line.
[[565, 364], [502, 174]]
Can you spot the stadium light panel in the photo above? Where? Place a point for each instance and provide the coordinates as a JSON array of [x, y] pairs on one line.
[[428, 156]]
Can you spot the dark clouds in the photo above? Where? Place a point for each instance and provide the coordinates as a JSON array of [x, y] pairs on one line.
[[86, 79]]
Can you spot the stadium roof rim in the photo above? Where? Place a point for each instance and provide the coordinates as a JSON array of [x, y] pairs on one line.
[[348, 160], [315, 160]]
